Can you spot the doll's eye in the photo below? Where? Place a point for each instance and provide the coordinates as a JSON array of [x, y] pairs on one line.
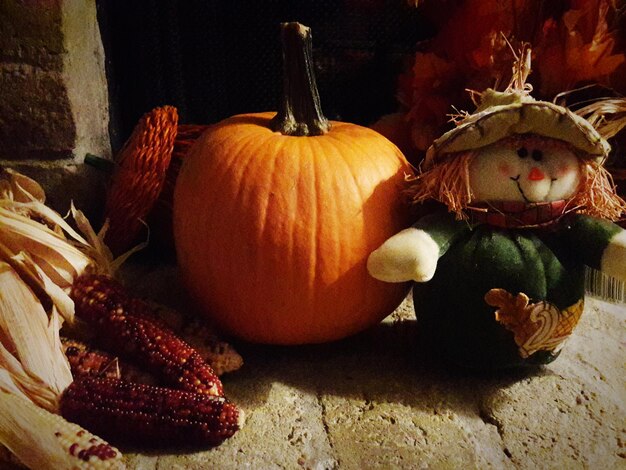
[[522, 152], [537, 155]]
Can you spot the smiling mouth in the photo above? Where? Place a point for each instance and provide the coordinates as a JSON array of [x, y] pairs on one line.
[[519, 186]]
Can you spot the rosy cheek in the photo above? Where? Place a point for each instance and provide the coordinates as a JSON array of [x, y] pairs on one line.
[[504, 169], [564, 170]]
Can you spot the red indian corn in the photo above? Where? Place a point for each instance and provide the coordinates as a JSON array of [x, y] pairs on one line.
[[86, 362], [122, 327], [139, 176], [150, 416]]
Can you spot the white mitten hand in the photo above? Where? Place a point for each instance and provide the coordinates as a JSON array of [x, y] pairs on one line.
[[410, 255], [614, 257]]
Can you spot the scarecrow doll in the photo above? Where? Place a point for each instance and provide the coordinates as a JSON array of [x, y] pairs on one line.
[[500, 273]]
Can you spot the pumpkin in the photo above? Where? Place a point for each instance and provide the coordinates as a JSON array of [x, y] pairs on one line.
[[276, 213]]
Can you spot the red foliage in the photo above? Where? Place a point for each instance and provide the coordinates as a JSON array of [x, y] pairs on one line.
[[571, 40]]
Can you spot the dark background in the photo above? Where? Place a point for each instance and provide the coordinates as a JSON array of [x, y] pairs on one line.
[[212, 59]]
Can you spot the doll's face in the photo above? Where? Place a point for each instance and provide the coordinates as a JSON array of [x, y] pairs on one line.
[[527, 170]]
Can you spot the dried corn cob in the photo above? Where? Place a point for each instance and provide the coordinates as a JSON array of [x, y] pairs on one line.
[[88, 362], [147, 415], [43, 440], [220, 355], [100, 300], [186, 136], [85, 362], [139, 176]]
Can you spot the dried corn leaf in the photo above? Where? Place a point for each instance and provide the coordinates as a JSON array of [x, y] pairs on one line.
[[42, 214], [31, 338], [14, 377], [59, 297], [97, 249], [32, 207], [20, 188], [45, 441], [7, 380], [19, 233], [56, 253]]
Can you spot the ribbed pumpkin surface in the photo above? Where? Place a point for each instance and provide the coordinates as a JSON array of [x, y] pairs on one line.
[[273, 232]]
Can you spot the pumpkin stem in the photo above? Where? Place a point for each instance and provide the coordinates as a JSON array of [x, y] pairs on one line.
[[300, 113]]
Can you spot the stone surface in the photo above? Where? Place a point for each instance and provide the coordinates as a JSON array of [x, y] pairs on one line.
[[35, 115], [54, 95], [379, 401], [54, 106], [31, 33], [85, 78]]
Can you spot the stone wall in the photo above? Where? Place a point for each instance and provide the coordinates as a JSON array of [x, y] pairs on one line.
[[53, 96]]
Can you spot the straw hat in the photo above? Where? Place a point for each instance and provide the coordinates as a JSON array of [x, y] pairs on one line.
[[503, 114]]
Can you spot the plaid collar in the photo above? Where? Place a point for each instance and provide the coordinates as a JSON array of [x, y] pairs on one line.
[[515, 214]]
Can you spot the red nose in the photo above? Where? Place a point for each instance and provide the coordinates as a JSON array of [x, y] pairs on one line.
[[536, 174]]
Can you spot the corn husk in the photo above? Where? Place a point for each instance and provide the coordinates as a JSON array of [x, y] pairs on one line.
[[31, 338], [18, 187], [43, 247], [41, 255], [20, 233], [45, 441], [97, 249], [33, 374]]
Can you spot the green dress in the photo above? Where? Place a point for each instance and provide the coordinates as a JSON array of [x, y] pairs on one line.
[[505, 297]]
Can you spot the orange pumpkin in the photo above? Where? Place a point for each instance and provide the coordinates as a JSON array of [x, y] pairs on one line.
[[273, 230]]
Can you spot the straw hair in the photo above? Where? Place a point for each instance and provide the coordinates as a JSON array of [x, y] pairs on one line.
[[596, 195], [608, 116], [447, 182]]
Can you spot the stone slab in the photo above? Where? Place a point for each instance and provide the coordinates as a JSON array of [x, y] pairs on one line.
[[31, 33], [54, 102], [35, 114]]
